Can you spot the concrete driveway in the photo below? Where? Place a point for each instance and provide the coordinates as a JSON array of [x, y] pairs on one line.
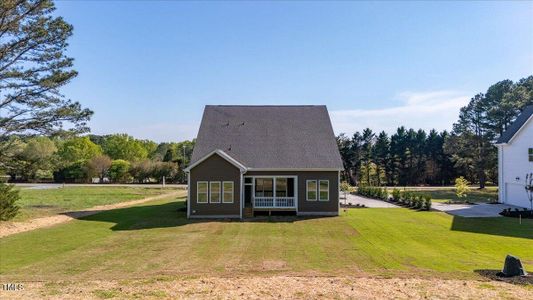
[[354, 199], [472, 210]]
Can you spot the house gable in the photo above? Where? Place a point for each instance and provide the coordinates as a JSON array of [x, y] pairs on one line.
[[270, 137], [215, 168], [514, 129], [514, 162], [223, 155]]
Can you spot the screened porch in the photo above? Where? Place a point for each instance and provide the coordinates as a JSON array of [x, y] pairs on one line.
[[271, 192]]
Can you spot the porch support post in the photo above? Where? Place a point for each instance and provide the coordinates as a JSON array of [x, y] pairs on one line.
[[274, 192], [296, 193]]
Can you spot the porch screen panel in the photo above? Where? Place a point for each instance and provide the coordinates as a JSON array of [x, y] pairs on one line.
[[290, 187], [281, 187], [264, 187]]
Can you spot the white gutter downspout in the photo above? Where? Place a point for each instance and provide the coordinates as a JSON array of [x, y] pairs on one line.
[[241, 198], [501, 183]]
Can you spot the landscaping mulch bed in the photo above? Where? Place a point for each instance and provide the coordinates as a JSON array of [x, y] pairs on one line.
[[524, 214]]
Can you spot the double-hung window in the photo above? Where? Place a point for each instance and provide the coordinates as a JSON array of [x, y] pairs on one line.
[[227, 192], [214, 191], [311, 190], [323, 190], [530, 152], [201, 192]]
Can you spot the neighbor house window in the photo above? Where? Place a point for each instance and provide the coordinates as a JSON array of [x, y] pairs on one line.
[[227, 192], [323, 190], [214, 191], [264, 187], [201, 192], [311, 190], [530, 154]]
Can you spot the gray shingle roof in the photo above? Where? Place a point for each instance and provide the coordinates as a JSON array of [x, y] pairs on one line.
[[273, 137], [508, 134]]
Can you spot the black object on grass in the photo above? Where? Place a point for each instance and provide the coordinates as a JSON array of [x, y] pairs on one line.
[[512, 267]]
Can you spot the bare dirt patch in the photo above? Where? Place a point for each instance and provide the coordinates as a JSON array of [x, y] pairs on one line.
[[281, 287], [9, 228], [274, 265]]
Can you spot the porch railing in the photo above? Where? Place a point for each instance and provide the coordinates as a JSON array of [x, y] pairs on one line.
[[274, 202]]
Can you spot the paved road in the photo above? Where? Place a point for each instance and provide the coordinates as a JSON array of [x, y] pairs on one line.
[[44, 186], [354, 199], [472, 210]]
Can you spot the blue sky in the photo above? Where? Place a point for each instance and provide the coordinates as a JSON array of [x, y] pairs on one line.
[[148, 68]]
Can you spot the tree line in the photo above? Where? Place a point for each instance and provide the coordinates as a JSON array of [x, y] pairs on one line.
[[417, 157], [407, 157], [116, 158]]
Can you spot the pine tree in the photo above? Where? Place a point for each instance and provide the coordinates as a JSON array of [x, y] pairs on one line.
[[8, 199], [381, 157], [33, 66]]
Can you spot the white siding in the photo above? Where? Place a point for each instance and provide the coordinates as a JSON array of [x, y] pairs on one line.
[[514, 164]]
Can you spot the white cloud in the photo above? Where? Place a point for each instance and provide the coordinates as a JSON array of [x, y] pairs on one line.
[[426, 110]]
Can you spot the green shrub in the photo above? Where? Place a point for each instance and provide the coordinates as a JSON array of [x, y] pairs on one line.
[[384, 194], [345, 186], [411, 199], [427, 202], [420, 201], [8, 199], [373, 192], [118, 171], [396, 195], [461, 187]]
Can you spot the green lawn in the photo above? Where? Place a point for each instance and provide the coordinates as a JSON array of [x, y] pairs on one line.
[[475, 195], [44, 202], [155, 239]]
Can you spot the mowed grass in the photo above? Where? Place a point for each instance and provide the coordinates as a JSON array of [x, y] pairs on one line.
[[45, 202], [474, 195], [155, 239]]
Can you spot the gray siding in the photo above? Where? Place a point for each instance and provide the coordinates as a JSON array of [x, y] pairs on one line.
[[304, 206], [215, 168]]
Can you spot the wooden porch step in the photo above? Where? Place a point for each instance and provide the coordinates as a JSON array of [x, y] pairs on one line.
[[248, 212]]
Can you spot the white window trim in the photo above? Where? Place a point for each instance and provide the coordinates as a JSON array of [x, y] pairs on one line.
[[232, 192], [318, 194], [307, 190], [198, 191], [211, 189]]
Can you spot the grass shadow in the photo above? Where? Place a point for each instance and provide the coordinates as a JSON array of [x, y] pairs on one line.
[[501, 226], [518, 280], [170, 214], [137, 217]]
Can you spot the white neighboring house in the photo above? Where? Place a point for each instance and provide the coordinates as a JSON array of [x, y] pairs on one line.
[[515, 159]]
